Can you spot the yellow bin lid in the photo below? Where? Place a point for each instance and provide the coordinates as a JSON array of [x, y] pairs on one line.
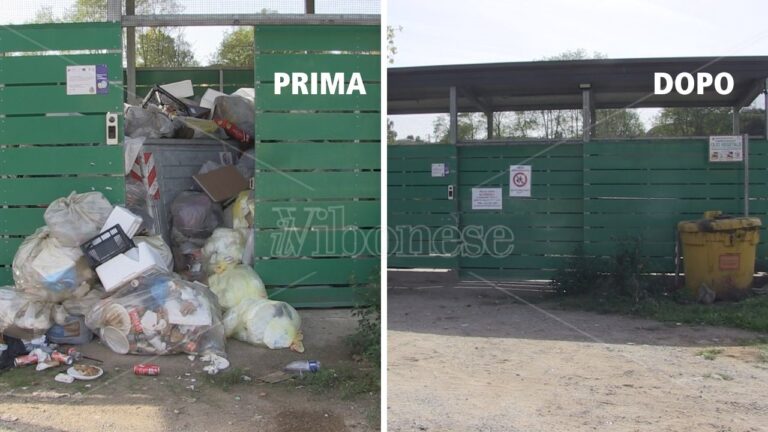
[[715, 221]]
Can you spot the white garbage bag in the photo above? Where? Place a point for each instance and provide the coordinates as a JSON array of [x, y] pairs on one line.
[[235, 285], [223, 249], [195, 215], [47, 271], [20, 312], [77, 218], [270, 323]]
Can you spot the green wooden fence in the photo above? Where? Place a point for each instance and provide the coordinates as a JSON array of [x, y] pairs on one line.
[[590, 195], [45, 156], [317, 167]]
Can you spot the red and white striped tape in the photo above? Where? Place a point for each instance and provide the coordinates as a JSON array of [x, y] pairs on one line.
[[150, 177]]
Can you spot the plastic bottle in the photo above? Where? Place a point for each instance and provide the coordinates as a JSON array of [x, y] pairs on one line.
[[302, 366]]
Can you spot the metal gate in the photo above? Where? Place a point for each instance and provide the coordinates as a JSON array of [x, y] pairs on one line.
[[52, 143], [594, 197], [317, 180], [423, 206]]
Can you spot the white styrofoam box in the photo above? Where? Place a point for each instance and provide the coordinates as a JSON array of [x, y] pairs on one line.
[[128, 266], [129, 222], [209, 97], [181, 89]]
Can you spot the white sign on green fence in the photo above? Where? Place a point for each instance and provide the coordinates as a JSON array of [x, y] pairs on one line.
[[726, 148], [520, 180]]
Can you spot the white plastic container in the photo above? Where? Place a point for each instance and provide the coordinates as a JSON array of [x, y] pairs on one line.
[[129, 222], [128, 266]]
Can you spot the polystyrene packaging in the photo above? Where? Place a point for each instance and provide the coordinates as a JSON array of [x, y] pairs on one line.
[[235, 285], [19, 311], [48, 271], [270, 323], [195, 215], [77, 218], [160, 315], [158, 244], [223, 249]]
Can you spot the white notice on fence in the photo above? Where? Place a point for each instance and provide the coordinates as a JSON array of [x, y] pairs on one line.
[[438, 170], [520, 180], [726, 148], [486, 198], [81, 80]]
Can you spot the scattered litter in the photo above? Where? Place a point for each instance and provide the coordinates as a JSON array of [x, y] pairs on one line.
[[301, 366], [146, 369], [85, 372], [64, 378], [275, 377]]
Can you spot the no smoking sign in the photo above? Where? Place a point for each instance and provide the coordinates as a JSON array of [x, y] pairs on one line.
[[520, 181]]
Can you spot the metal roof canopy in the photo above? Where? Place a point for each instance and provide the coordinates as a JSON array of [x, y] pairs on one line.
[[523, 86]]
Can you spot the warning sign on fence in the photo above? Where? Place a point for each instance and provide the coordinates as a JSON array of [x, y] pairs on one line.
[[727, 148], [520, 181]]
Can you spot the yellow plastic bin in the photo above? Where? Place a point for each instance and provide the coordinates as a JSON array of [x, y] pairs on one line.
[[719, 251]]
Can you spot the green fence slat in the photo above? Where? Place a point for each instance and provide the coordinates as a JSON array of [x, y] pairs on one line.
[[53, 69], [266, 99], [85, 129], [316, 243], [54, 99], [320, 296], [43, 190], [335, 271], [21, 221], [369, 66], [296, 185], [287, 156], [6, 276], [317, 38], [8, 248], [61, 160], [319, 126], [326, 213], [55, 37]]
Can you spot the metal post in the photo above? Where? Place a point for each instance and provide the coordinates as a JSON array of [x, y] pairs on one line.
[[130, 54], [221, 80], [586, 113], [489, 124], [746, 174], [114, 10], [453, 121], [736, 121], [765, 105], [309, 6]]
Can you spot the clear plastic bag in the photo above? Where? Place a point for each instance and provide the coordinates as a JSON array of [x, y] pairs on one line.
[[223, 249], [136, 200], [247, 163], [47, 271], [235, 285], [23, 315], [270, 323], [149, 123], [77, 218], [237, 110], [195, 215], [160, 314], [243, 210]]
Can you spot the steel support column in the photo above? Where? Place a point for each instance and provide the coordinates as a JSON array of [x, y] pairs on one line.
[[130, 54], [587, 112], [736, 120], [453, 120], [489, 124]]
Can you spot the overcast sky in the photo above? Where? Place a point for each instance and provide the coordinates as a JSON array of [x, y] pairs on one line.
[[481, 31]]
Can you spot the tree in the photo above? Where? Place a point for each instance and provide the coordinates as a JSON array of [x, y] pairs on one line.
[[236, 49], [391, 133], [156, 48], [471, 127], [391, 48], [618, 123]]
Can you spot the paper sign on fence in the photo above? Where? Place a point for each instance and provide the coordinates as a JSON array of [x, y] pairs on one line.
[[520, 180]]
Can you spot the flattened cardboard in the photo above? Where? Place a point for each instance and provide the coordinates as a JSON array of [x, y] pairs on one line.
[[222, 183]]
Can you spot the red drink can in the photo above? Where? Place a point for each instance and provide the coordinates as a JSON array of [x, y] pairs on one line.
[[62, 358], [136, 321], [146, 369], [190, 347], [25, 360], [75, 354]]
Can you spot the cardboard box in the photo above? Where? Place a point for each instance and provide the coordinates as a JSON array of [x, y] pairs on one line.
[[222, 183]]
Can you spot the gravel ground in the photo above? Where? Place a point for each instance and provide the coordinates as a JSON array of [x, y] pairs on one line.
[[465, 358]]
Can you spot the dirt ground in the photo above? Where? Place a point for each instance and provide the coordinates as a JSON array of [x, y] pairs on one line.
[[463, 357], [184, 398]]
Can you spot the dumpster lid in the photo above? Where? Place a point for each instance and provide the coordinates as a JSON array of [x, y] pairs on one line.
[[716, 221]]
